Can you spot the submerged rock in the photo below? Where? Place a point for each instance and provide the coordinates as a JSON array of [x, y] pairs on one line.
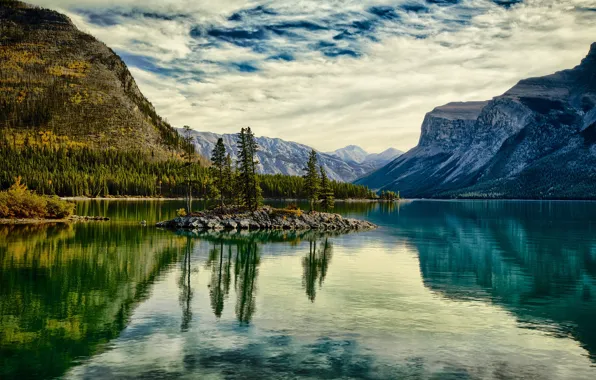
[[266, 218]]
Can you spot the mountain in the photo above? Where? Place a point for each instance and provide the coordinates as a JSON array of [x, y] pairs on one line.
[[353, 153], [538, 140], [383, 158], [55, 78], [350, 153], [277, 156]]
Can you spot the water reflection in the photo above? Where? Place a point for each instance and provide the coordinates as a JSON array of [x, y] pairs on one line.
[[245, 280], [315, 265], [240, 252], [219, 286], [66, 290], [186, 292], [534, 259]]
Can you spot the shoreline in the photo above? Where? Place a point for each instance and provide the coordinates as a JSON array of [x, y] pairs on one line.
[[24, 221], [70, 219], [351, 200]]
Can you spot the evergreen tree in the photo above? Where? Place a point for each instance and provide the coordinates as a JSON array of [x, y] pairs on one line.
[[256, 192], [311, 179], [327, 196], [218, 159], [189, 151], [229, 179], [249, 182]]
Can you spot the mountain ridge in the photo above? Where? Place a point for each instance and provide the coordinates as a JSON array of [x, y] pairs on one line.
[[535, 141], [278, 156]]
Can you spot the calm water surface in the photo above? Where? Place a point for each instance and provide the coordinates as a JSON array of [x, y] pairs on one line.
[[443, 290]]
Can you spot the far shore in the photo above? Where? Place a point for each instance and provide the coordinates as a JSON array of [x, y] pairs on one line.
[[213, 200], [21, 221]]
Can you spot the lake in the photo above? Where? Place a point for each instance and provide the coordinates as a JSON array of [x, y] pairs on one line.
[[442, 290]]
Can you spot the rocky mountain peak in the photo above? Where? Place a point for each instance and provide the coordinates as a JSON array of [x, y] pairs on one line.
[[535, 141], [34, 17]]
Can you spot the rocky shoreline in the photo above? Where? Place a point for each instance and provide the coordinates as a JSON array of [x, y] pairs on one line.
[[266, 218]]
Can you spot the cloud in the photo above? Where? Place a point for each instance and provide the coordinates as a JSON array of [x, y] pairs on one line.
[[332, 73]]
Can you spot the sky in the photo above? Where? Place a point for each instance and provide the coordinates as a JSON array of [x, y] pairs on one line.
[[331, 73]]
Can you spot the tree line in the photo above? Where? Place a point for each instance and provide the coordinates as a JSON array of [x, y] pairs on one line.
[[70, 170]]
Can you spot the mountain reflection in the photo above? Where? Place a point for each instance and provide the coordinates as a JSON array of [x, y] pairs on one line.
[[535, 259], [66, 290], [315, 265]]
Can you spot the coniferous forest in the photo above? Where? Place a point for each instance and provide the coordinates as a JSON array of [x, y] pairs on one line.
[[66, 169]]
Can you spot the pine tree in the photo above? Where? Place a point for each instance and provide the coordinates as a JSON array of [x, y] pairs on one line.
[[249, 182], [327, 195], [218, 159], [311, 179], [229, 178], [255, 190], [189, 151], [244, 168]]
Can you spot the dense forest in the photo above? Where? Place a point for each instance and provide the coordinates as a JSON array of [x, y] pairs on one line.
[[72, 170]]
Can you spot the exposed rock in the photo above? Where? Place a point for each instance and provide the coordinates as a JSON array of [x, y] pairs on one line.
[[538, 140], [267, 218]]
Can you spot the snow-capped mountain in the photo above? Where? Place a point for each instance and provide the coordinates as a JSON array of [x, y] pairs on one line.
[[353, 153], [277, 156]]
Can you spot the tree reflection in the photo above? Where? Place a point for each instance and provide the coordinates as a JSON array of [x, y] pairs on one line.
[[315, 265], [185, 288], [245, 274], [219, 287]]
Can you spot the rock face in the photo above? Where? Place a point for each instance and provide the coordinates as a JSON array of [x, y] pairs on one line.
[[277, 156], [538, 140], [266, 218], [59, 79]]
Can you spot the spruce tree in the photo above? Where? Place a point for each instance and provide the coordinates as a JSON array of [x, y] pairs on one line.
[[228, 178], [255, 189], [249, 182], [311, 179], [218, 159], [189, 151], [327, 196]]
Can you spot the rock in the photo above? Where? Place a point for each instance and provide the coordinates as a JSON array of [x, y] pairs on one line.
[[538, 140], [266, 219], [230, 224]]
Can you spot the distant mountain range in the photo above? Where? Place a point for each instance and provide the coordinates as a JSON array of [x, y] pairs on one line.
[[353, 153], [538, 140], [277, 156]]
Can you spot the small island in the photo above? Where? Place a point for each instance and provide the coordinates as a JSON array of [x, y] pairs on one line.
[[265, 218]]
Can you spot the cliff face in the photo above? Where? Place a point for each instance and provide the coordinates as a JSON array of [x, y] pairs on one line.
[[55, 78], [535, 141]]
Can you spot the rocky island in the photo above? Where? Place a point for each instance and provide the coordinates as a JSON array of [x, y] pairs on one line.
[[266, 218]]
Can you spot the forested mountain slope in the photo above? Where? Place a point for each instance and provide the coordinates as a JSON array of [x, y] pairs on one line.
[[58, 84], [536, 141]]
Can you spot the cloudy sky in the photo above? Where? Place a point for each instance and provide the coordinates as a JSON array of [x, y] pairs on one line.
[[330, 73]]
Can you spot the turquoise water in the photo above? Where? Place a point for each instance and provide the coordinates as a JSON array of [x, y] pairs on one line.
[[442, 290]]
